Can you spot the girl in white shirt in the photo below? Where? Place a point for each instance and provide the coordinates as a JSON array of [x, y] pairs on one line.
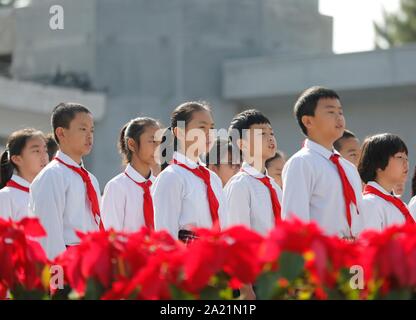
[[186, 194], [24, 157], [383, 165], [127, 202]]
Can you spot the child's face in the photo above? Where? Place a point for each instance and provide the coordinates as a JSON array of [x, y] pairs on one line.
[[34, 157], [225, 170], [199, 134], [397, 169], [350, 150], [328, 123], [79, 137], [275, 169], [147, 151], [260, 135]]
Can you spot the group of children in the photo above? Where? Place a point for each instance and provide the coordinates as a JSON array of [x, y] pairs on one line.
[[331, 180]]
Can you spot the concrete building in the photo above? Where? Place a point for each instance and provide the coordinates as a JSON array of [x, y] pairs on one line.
[[144, 57]]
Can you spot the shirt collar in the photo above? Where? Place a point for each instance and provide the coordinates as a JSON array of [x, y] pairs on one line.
[[20, 180], [136, 176], [379, 188], [316, 147], [252, 171], [186, 161], [65, 158]]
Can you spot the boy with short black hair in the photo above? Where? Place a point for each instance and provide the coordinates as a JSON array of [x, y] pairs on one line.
[[253, 196], [64, 195], [319, 185], [349, 147]]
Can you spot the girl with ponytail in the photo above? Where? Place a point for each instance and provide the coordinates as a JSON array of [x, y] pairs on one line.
[[186, 194], [127, 203], [25, 156]]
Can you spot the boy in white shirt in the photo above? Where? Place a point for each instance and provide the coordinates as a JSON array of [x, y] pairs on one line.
[[253, 197], [64, 195], [319, 185], [349, 147]]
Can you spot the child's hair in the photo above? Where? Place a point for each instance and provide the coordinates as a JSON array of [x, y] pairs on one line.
[[376, 153], [134, 129], [64, 113], [14, 147], [278, 155], [222, 152], [244, 120], [51, 145], [184, 113], [308, 101], [347, 135], [414, 184]]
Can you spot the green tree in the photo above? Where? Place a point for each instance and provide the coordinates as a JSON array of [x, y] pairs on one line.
[[397, 28]]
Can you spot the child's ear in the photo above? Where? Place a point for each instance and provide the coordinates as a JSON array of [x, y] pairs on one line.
[[307, 121], [16, 160], [179, 133], [60, 133], [131, 145]]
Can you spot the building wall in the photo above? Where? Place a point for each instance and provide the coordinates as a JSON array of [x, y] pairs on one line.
[[367, 112], [149, 56]]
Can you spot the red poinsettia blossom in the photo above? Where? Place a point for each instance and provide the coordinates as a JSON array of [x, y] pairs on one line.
[[94, 258], [22, 259], [233, 251], [324, 256], [391, 255]]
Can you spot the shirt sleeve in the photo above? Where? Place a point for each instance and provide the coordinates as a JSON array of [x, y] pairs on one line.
[[371, 215], [297, 190], [113, 207], [47, 202], [237, 195], [167, 194], [6, 210]]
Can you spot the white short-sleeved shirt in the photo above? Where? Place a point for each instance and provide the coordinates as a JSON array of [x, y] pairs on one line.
[[249, 201], [14, 202], [180, 198], [313, 191], [59, 198], [122, 202], [379, 213]]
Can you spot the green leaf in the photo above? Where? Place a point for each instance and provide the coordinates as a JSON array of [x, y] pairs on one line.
[[179, 294], [404, 294], [291, 265], [210, 293], [94, 290], [266, 284]]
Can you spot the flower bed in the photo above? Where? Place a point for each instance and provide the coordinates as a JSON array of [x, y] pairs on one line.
[[295, 261]]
